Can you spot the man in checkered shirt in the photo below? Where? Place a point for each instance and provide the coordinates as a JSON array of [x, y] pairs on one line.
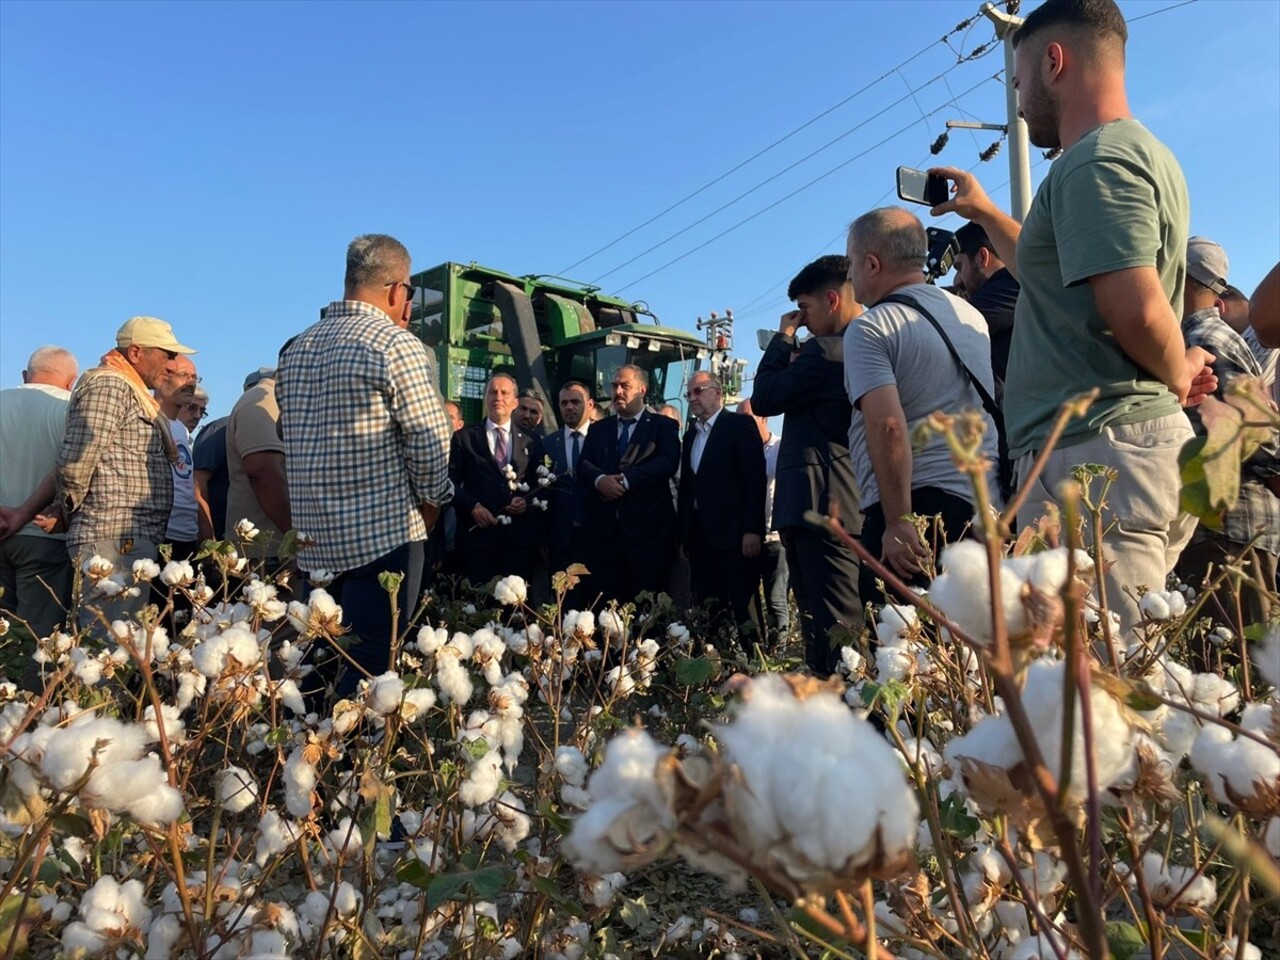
[[366, 446], [1251, 529]]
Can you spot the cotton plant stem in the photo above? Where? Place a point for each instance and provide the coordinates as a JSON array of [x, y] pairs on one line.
[[1075, 407]]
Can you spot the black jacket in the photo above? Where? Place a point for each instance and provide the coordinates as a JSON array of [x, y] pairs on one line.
[[724, 499], [477, 478], [649, 462], [814, 470]]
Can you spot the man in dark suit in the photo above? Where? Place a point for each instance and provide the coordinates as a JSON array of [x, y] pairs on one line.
[[722, 481], [566, 538], [806, 386], [624, 493], [498, 532]]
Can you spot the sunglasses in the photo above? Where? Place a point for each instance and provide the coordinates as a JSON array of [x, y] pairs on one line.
[[697, 391], [409, 289]]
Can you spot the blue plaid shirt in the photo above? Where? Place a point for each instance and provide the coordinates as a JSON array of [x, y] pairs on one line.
[[1257, 512], [366, 437]]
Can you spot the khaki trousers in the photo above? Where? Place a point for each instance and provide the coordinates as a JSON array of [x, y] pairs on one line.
[[1144, 531]]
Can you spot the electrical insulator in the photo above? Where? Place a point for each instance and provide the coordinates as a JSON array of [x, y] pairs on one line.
[[940, 142]]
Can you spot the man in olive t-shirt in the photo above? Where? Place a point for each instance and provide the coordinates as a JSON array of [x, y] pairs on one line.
[[1102, 262], [258, 490]]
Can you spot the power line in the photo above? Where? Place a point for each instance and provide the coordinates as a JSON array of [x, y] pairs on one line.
[[759, 153], [910, 94], [1156, 13], [798, 190]]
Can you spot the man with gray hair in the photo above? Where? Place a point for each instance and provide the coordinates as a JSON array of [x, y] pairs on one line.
[[916, 350], [367, 446], [115, 473], [35, 572]]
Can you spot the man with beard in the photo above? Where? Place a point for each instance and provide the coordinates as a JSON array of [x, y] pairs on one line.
[[1102, 261]]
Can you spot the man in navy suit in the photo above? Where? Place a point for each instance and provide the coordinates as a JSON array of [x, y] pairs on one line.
[[805, 383], [498, 531], [722, 483], [566, 539], [624, 493]]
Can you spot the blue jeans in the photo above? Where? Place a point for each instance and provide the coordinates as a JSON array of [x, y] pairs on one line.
[[777, 581]]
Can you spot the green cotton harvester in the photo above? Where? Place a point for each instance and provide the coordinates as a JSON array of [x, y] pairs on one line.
[[548, 331]]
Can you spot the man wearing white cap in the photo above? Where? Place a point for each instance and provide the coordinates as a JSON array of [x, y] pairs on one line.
[[114, 469], [1250, 530]]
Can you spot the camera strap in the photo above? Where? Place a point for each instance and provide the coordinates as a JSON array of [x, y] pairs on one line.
[[988, 402]]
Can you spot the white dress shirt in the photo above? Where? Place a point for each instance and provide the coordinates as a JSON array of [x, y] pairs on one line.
[[701, 430]]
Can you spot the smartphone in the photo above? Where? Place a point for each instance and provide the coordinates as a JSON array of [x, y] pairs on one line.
[[916, 186]]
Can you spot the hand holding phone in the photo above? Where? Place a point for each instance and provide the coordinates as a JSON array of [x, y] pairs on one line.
[[917, 186], [969, 200]]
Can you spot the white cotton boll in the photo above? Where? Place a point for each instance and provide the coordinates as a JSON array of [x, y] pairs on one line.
[[571, 765], [893, 663], [576, 797], [993, 741], [620, 681], [1041, 947], [384, 693], [237, 790], [97, 567], [894, 622], [462, 644], [453, 680], [601, 890], [176, 573], [190, 686], [851, 661], [1229, 949], [511, 591], [345, 841], [88, 669], [145, 570], [269, 945], [291, 696], [581, 623], [175, 730], [299, 781], [1175, 886], [163, 936], [1237, 763], [79, 941], [417, 703], [274, 836], [776, 741], [210, 656], [1266, 656], [963, 592], [346, 900], [483, 780], [1257, 718], [242, 645], [611, 625], [69, 749]]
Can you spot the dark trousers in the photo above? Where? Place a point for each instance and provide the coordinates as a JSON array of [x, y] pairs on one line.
[[951, 513], [622, 567], [486, 557], [35, 576], [776, 588], [824, 578], [366, 612], [730, 583]]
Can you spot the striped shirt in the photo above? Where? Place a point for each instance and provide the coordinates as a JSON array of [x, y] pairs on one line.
[[114, 474], [366, 437]]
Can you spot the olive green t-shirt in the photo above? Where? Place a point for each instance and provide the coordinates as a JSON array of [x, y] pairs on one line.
[[1115, 200]]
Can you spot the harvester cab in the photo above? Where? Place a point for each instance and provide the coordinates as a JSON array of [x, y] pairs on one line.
[[549, 331]]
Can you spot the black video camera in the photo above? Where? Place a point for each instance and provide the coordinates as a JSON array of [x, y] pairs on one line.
[[943, 248]]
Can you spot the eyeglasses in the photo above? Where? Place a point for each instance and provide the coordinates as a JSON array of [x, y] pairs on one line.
[[203, 411], [409, 289], [697, 391], [168, 354]]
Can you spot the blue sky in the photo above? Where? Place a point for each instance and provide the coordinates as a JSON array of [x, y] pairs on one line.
[[208, 162]]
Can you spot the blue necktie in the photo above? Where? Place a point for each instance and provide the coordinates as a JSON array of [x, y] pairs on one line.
[[625, 438], [575, 450]]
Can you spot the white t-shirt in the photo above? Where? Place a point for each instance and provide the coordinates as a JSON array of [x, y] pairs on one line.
[[893, 344], [771, 448], [184, 521]]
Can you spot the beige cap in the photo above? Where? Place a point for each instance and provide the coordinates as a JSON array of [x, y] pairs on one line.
[[149, 332], [1207, 264]]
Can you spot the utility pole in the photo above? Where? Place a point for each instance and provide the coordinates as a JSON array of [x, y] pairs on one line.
[[1019, 145]]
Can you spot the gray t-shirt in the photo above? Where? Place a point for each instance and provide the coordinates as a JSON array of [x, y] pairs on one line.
[[891, 344]]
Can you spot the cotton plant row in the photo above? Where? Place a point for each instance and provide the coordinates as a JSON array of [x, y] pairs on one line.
[[1144, 756], [158, 751]]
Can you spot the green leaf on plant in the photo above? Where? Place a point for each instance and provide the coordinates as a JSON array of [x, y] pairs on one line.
[[73, 824], [1142, 697], [547, 887], [1124, 939], [477, 748], [485, 884], [414, 872], [1210, 464], [869, 691], [389, 581], [277, 737], [553, 816], [955, 819], [693, 671]]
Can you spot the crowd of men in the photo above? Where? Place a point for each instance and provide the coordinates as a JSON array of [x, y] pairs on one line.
[[347, 439]]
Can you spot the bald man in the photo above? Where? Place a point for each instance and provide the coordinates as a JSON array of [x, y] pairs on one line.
[[35, 572]]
